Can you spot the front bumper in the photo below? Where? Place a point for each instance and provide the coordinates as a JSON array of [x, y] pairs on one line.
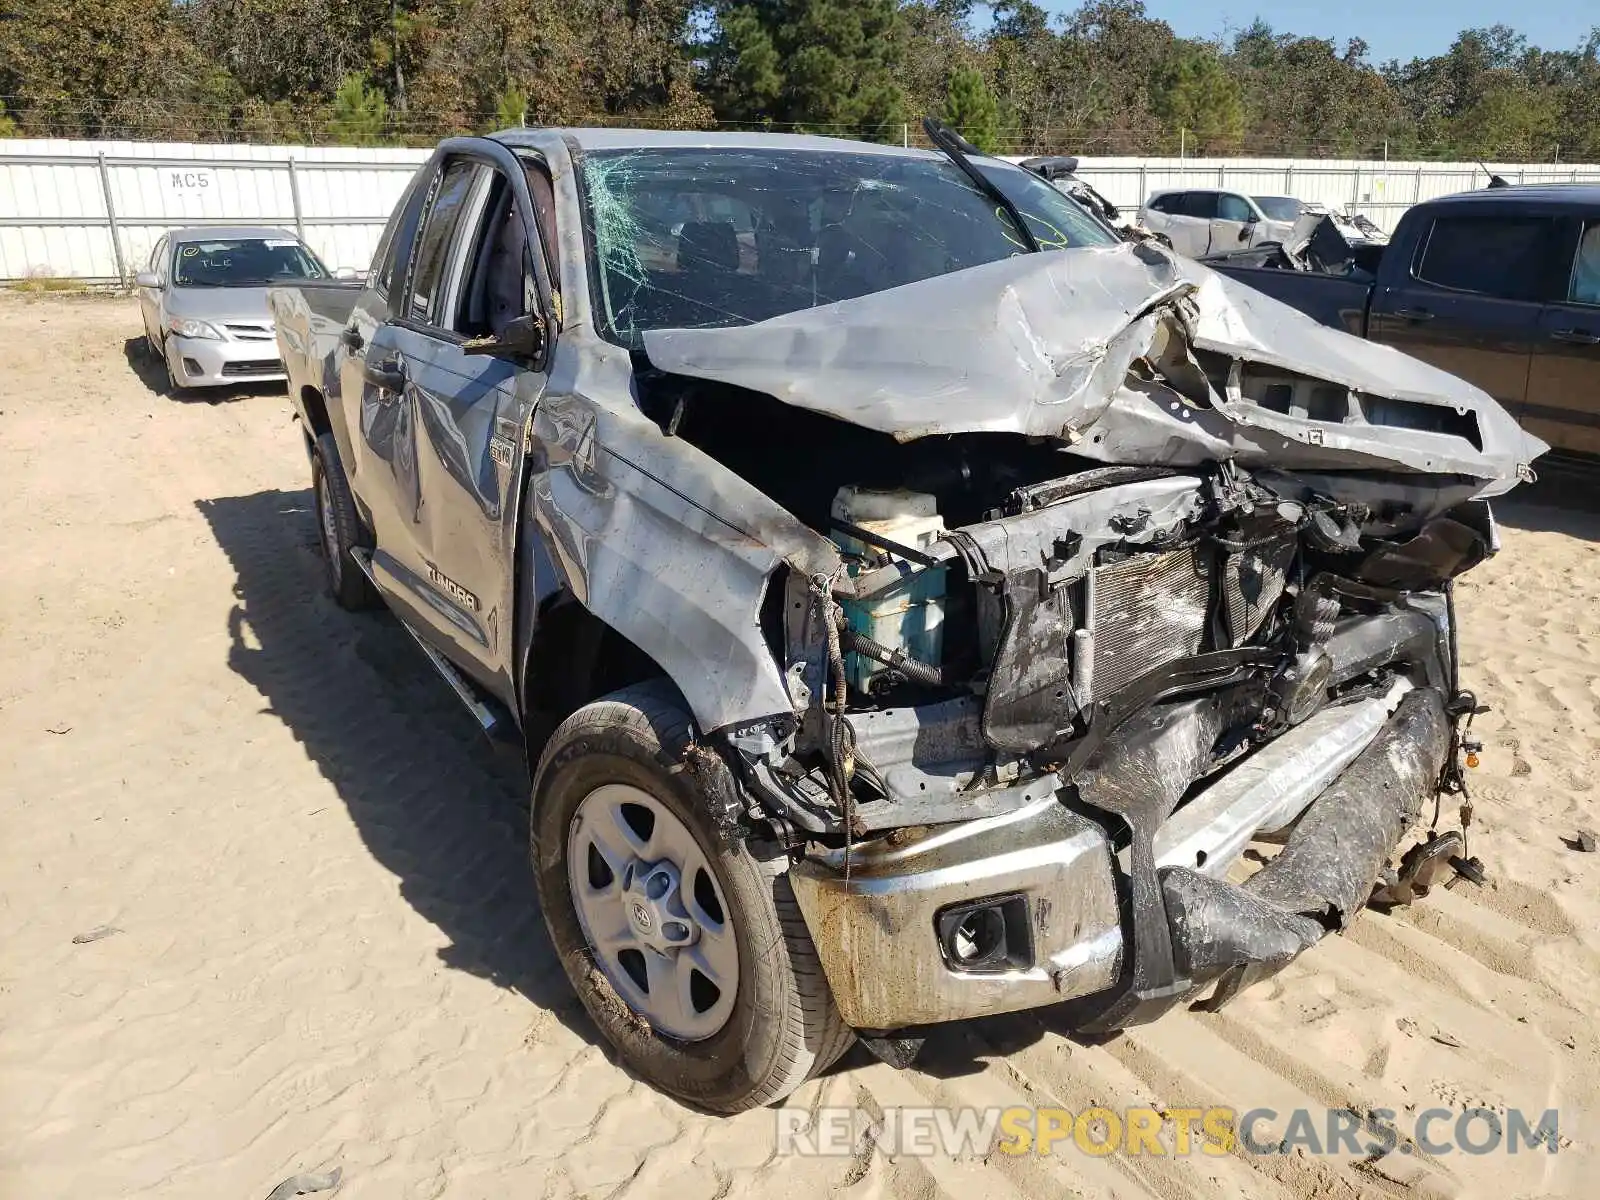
[[208, 362], [878, 931], [875, 931]]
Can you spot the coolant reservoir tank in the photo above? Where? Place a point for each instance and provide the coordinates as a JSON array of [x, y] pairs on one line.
[[910, 518], [910, 616]]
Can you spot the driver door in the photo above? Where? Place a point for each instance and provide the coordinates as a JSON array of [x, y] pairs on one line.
[[443, 426]]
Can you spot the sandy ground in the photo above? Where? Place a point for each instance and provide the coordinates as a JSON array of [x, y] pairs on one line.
[[326, 949]]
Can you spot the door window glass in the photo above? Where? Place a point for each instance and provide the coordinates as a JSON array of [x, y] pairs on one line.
[[1500, 256], [1585, 285], [428, 279], [1200, 204], [1234, 208]]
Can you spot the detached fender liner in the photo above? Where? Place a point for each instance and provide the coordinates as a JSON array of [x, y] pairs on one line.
[[1238, 935]]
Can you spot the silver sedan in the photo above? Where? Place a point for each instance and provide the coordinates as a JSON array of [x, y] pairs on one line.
[[203, 296]]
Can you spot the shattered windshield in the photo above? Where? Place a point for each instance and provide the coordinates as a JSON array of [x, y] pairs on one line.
[[1279, 208], [243, 262], [705, 237]]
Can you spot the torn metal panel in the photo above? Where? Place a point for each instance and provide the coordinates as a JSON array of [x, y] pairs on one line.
[[1042, 345], [661, 542], [1271, 787], [1235, 320], [1030, 345]]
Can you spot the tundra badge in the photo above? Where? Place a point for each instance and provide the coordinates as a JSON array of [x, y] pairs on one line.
[[452, 589]]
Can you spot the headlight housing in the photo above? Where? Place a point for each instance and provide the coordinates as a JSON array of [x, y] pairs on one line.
[[190, 328]]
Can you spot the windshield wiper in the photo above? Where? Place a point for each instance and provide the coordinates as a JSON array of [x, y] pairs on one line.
[[956, 148]]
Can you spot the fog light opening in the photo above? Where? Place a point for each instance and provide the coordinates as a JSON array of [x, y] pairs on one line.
[[986, 935], [980, 935]]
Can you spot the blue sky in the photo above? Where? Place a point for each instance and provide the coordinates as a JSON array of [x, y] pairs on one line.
[[1410, 28]]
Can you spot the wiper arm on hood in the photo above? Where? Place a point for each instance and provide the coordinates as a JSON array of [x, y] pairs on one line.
[[956, 148]]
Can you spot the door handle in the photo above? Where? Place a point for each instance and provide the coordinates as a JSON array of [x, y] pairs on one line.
[[351, 338], [385, 376], [1576, 337], [1413, 314]]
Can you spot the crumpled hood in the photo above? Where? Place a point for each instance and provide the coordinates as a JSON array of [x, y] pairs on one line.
[[1042, 344]]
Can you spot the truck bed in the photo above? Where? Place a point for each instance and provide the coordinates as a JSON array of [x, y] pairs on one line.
[[309, 319]]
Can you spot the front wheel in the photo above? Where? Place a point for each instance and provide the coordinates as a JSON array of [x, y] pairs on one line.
[[689, 953]]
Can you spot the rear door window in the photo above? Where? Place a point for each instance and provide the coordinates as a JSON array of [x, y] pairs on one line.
[[1503, 256], [394, 244], [1200, 204], [425, 301]]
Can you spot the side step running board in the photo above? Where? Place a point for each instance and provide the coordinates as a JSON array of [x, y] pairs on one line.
[[491, 717]]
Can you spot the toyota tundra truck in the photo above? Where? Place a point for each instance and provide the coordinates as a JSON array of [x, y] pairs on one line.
[[910, 600]]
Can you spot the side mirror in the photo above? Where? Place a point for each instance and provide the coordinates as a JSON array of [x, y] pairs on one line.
[[146, 279], [345, 273], [523, 337]]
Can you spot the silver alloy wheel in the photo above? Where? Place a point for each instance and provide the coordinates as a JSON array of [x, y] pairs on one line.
[[330, 531], [652, 909]]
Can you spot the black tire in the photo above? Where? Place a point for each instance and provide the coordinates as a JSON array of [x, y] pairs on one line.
[[783, 1027], [339, 528], [174, 389]]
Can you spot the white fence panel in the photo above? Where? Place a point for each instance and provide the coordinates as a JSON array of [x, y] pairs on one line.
[[93, 210], [1379, 190]]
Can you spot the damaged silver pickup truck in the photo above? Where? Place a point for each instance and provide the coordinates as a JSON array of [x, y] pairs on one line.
[[911, 600]]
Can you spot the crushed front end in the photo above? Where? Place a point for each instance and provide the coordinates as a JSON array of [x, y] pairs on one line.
[[1153, 569], [1139, 671]]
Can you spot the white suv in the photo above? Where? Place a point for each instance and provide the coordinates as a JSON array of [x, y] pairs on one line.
[[1204, 221]]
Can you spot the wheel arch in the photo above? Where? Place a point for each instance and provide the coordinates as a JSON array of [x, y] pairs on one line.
[[574, 658]]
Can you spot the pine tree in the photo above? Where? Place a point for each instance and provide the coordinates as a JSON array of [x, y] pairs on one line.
[[359, 113], [972, 110], [829, 65], [511, 109], [1195, 92]]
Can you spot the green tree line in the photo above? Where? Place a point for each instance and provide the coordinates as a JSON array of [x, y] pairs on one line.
[[1105, 78]]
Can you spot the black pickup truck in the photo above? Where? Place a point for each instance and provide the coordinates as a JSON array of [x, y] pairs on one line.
[[1500, 287]]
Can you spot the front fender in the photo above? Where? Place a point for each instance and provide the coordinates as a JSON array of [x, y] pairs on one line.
[[667, 547]]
